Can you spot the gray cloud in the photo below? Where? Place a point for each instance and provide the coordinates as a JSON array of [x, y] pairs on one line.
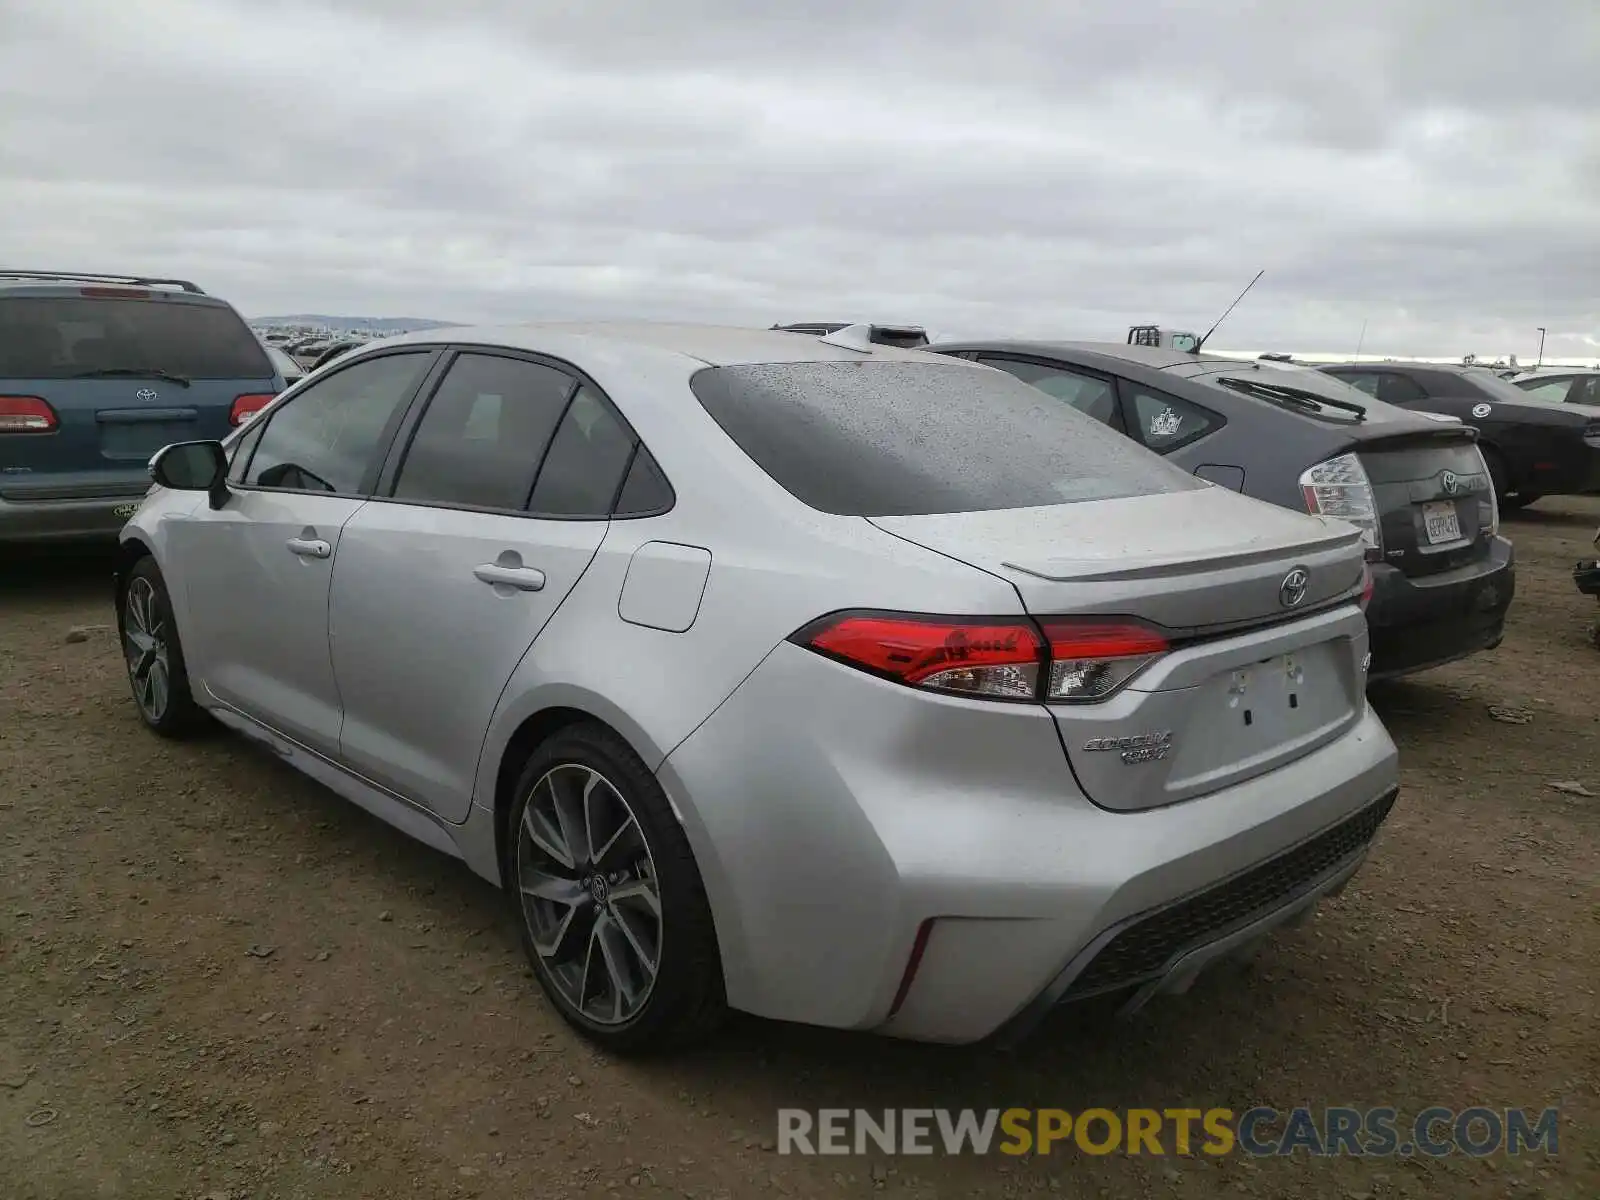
[[1428, 167]]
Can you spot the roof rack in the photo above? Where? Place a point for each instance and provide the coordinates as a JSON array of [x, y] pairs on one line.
[[89, 277]]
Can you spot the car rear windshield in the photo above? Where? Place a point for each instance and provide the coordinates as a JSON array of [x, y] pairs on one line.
[[885, 438], [61, 337]]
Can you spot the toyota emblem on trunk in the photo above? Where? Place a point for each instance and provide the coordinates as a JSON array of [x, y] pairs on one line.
[[1292, 591], [145, 394], [1451, 483]]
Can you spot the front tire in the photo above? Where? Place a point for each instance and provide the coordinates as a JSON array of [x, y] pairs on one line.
[[609, 902], [154, 655]]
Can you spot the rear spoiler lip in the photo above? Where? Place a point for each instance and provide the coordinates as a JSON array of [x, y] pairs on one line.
[[1064, 570]]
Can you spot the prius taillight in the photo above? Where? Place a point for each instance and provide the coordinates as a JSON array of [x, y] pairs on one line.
[[1066, 660]]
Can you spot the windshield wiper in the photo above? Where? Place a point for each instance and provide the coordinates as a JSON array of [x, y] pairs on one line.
[[1309, 402], [133, 373]]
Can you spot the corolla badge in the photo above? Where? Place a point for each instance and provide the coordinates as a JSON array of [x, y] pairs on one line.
[[1136, 748], [1481, 410], [146, 394], [1451, 482], [1292, 591]]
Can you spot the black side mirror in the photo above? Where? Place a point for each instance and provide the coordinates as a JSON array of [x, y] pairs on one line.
[[193, 467]]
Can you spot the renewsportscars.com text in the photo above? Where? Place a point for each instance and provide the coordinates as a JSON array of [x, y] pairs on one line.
[[1333, 1131]]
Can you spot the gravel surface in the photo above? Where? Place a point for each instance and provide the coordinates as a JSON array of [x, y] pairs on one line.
[[218, 980]]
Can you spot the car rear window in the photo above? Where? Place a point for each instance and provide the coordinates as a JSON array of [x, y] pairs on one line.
[[59, 337], [886, 438]]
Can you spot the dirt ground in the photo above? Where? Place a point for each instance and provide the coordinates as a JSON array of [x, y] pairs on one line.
[[217, 979]]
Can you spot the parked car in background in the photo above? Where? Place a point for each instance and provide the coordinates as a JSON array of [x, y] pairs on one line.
[[1534, 448], [1562, 387], [847, 685], [286, 365], [326, 354], [1416, 487], [97, 373]]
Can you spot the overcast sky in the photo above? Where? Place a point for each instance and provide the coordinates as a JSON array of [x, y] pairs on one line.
[[1065, 167]]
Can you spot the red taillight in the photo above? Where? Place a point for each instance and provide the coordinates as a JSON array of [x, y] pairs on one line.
[[1090, 659], [245, 407], [998, 658], [1367, 584], [26, 414], [114, 293]]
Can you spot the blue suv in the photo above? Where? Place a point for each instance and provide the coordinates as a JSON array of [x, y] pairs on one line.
[[97, 373]]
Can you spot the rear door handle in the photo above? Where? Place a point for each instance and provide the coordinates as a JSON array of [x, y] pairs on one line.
[[309, 547], [524, 579]]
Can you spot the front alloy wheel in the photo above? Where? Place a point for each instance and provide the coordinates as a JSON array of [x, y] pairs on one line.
[[144, 642], [590, 894]]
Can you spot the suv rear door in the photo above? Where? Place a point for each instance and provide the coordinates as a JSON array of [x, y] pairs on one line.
[[116, 373]]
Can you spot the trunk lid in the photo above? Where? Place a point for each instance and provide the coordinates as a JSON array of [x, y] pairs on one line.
[[1434, 499], [1251, 682]]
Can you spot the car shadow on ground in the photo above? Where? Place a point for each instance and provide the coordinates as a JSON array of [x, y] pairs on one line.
[[56, 573], [1548, 518]]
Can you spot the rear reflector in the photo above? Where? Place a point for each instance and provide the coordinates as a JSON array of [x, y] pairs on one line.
[[1366, 586], [1060, 659], [245, 407], [919, 947], [26, 414]]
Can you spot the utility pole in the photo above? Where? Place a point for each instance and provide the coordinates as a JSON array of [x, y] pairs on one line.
[[1541, 349]]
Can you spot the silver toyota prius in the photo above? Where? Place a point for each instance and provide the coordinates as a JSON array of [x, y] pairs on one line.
[[810, 677]]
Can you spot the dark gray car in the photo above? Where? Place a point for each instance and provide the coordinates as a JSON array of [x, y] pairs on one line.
[[1414, 483]]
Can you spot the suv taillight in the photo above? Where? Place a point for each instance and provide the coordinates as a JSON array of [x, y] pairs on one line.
[[26, 414], [1063, 660], [245, 407], [1340, 488]]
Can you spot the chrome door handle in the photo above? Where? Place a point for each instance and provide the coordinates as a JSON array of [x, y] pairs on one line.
[[309, 547], [524, 579]]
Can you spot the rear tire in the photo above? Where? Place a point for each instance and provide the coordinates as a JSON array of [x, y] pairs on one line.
[[1497, 475], [153, 654], [609, 902]]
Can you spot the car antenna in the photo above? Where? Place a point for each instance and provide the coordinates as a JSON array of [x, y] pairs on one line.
[[1201, 344]]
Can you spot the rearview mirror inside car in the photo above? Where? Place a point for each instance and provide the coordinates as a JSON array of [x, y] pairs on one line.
[[193, 467]]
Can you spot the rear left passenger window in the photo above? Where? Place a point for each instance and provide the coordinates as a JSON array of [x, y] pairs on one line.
[[582, 473], [1166, 422], [484, 432]]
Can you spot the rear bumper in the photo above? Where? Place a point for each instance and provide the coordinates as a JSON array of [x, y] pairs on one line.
[[1163, 951], [839, 821], [1415, 624], [90, 519]]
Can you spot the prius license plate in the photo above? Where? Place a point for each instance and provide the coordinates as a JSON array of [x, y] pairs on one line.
[[1443, 525]]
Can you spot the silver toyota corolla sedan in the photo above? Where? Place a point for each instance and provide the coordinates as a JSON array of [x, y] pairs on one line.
[[815, 678]]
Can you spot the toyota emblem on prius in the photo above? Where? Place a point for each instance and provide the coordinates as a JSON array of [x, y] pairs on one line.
[[145, 394], [1292, 591], [1451, 482]]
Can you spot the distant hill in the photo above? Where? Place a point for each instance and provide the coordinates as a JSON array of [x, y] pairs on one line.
[[378, 325]]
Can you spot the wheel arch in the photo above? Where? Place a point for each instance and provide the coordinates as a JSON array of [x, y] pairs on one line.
[[129, 551]]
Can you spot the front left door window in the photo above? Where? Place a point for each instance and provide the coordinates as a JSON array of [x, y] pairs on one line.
[[257, 571]]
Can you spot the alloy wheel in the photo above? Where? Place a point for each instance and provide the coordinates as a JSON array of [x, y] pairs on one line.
[[589, 893], [144, 641]]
